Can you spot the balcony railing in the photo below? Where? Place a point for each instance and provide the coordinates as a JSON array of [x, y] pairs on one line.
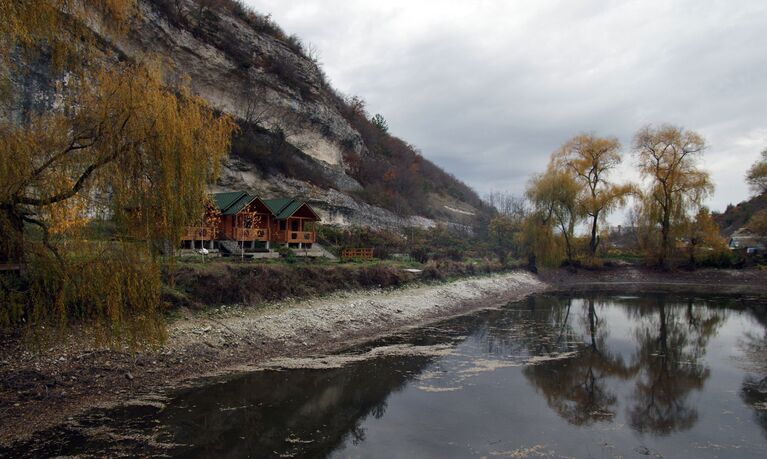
[[251, 234], [198, 233], [301, 236], [307, 237]]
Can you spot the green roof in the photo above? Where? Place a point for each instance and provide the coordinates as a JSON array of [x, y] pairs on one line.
[[279, 206], [283, 208], [232, 202]]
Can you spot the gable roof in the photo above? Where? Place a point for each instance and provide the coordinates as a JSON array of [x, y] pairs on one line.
[[284, 208], [277, 205], [232, 202]]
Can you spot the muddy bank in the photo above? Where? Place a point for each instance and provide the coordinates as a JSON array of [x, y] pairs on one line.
[[45, 388], [632, 279], [200, 286]]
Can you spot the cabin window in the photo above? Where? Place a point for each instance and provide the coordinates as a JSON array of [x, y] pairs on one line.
[[282, 225], [294, 225]]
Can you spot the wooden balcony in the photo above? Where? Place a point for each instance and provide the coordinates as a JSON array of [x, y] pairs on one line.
[[251, 234], [199, 233], [307, 237]]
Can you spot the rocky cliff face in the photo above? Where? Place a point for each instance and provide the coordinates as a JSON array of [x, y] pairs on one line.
[[242, 64]]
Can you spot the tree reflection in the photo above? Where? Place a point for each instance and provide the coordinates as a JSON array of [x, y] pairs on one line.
[[668, 359], [577, 388], [754, 394], [665, 367], [540, 328], [753, 391]]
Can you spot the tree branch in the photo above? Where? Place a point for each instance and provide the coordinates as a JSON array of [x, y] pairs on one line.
[[46, 237]]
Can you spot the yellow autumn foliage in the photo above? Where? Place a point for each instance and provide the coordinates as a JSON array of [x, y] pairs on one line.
[[96, 190], [675, 184]]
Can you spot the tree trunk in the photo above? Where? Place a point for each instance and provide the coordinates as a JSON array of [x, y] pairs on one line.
[[665, 232], [12, 243], [531, 264], [568, 249], [594, 238], [692, 253]]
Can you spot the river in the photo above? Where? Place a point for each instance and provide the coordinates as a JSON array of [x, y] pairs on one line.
[[553, 376]]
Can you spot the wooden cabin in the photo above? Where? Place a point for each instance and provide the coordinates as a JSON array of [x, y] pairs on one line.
[[243, 218], [254, 223], [293, 223]]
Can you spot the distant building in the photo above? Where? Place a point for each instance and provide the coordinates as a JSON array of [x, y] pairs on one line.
[[745, 239]]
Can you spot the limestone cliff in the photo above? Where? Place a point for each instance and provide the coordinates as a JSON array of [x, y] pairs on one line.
[[299, 137]]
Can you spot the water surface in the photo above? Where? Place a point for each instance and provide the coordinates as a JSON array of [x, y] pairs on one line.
[[554, 376]]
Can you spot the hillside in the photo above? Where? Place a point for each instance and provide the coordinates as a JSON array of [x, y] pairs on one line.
[[738, 216], [298, 135]]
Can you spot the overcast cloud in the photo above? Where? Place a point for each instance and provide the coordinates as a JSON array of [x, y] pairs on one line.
[[488, 89]]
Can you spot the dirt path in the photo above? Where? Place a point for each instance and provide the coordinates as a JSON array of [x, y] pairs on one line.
[[42, 389]]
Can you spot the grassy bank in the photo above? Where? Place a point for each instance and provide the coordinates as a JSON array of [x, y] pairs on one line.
[[200, 285]]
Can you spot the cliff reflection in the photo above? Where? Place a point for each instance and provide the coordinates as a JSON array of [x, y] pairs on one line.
[[305, 413]]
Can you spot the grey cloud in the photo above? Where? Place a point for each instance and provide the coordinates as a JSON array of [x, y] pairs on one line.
[[488, 89]]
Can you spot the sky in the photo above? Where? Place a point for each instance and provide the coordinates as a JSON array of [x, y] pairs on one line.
[[487, 89]]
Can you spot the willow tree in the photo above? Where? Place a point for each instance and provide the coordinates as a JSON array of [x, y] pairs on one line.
[[93, 190], [668, 160], [553, 195], [703, 237], [756, 176], [590, 160]]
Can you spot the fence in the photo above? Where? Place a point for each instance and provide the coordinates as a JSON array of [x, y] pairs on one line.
[[357, 254]]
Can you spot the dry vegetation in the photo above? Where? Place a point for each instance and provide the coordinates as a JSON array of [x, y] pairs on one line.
[[395, 175], [201, 286]]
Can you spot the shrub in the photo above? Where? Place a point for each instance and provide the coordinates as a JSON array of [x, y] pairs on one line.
[[287, 254], [420, 254]]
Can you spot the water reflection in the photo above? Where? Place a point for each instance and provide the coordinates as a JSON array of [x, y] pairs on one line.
[[666, 365], [577, 388], [670, 347], [305, 413], [618, 375], [753, 391]]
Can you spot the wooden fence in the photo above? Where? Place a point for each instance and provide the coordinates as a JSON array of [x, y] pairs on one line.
[[357, 254]]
